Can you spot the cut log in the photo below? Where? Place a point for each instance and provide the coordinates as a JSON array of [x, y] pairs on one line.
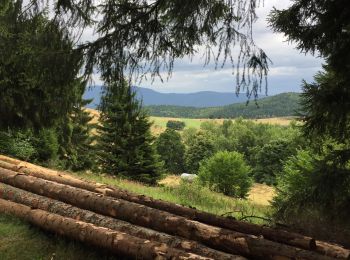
[[118, 242], [218, 238], [193, 214], [56, 207]]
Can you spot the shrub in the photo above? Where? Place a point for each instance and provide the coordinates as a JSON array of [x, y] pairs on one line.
[[18, 144], [176, 125], [226, 172]]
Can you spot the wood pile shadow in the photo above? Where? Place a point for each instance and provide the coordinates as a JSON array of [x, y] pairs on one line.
[[138, 226]]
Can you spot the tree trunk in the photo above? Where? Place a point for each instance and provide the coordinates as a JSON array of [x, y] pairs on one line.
[[218, 238], [117, 242], [56, 207], [193, 214]]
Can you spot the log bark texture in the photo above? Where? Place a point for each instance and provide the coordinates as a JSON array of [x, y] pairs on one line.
[[117, 242], [56, 207], [189, 213], [218, 238]]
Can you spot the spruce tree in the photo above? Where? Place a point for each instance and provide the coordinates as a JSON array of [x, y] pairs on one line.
[[125, 141], [77, 151]]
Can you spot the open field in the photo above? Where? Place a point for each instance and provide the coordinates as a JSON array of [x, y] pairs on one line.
[[159, 123]]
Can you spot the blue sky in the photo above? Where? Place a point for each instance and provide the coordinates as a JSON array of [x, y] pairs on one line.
[[286, 73]]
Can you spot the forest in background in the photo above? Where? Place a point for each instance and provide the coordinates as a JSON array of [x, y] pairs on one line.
[[281, 105]]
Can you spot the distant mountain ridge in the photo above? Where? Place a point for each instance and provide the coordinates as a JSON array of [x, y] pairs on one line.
[[199, 99], [285, 104]]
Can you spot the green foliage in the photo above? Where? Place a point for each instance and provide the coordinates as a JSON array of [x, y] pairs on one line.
[[200, 148], [19, 144], [286, 104], [38, 70], [77, 151], [315, 183], [171, 150], [47, 144], [226, 172], [326, 105], [125, 141], [176, 125], [269, 160]]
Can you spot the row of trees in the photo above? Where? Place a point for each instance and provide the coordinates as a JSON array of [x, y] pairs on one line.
[[264, 148], [285, 104]]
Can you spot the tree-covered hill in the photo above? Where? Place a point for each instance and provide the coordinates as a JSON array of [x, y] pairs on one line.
[[285, 104]]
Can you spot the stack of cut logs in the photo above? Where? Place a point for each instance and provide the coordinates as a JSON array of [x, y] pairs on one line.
[[137, 226]]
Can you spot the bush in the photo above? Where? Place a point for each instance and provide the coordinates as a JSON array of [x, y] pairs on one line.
[[176, 125], [226, 172], [18, 144]]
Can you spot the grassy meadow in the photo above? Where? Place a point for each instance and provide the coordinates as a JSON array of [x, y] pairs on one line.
[[159, 123]]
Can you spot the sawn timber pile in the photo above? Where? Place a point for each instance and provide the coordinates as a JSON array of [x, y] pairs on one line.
[[139, 226]]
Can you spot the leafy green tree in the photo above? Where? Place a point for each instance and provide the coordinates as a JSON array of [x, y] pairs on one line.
[[125, 141], [176, 125], [270, 159], [199, 149], [226, 172], [188, 135], [171, 151]]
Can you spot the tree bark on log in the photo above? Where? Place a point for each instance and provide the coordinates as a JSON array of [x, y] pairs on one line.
[[117, 242], [282, 236], [218, 238], [56, 207]]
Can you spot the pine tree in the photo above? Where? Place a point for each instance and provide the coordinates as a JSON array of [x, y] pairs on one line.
[[38, 69], [75, 135], [125, 141]]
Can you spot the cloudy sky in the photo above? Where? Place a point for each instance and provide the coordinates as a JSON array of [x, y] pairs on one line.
[[288, 69]]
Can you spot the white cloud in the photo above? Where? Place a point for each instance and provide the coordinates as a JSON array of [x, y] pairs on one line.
[[286, 73]]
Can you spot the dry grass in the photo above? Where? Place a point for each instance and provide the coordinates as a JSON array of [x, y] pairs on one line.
[[284, 121], [259, 194]]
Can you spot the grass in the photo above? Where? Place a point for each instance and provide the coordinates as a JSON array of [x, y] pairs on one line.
[[195, 196], [19, 240], [159, 123]]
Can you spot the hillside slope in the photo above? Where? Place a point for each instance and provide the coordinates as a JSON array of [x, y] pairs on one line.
[[285, 104], [152, 97]]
